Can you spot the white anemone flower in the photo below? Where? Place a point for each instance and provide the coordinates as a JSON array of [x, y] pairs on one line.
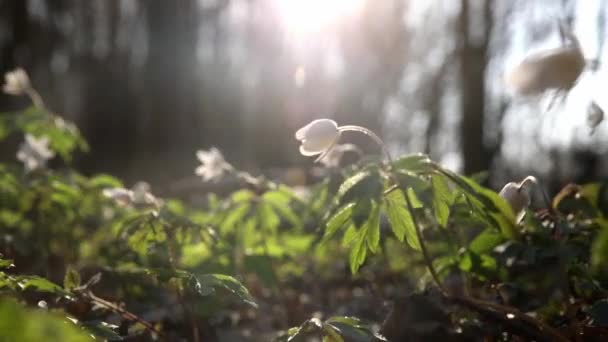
[[320, 137], [213, 165], [34, 152], [595, 116], [139, 196], [555, 69], [16, 82], [517, 197]]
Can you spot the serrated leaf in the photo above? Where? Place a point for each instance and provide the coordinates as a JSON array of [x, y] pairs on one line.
[[241, 196], [358, 252], [361, 212], [102, 330], [267, 218], [229, 283], [400, 218], [280, 201], [39, 284], [486, 241], [71, 280], [373, 228], [234, 216], [350, 182], [442, 199], [363, 185], [338, 220], [414, 163]]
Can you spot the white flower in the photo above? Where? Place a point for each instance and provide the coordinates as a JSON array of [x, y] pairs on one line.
[[595, 116], [122, 196], [16, 82], [34, 152], [138, 196], [555, 69], [515, 194], [318, 137], [213, 165], [334, 156]]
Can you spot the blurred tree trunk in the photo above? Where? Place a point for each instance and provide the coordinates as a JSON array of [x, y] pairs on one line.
[[169, 101], [473, 51]]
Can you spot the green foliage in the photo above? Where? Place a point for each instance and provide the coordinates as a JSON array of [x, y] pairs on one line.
[[334, 329], [20, 324], [410, 217]]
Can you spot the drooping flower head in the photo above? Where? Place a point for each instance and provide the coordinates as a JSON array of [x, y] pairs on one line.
[[517, 196], [318, 137], [34, 152], [554, 69], [213, 165], [16, 82], [321, 136]]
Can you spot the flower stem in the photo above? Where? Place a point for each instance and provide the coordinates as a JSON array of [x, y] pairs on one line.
[[425, 252], [370, 134], [36, 98]]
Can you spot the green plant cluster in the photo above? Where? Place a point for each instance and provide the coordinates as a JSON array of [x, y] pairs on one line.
[[78, 265]]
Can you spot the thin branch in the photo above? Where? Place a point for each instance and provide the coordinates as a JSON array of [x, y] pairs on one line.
[[122, 312]]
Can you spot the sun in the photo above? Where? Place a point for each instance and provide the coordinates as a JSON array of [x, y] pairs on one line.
[[308, 17]]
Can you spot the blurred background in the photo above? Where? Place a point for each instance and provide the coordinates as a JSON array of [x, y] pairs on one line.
[[150, 82]]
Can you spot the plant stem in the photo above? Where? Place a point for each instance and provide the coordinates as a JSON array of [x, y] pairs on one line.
[[370, 134], [36, 98], [425, 252], [122, 312]]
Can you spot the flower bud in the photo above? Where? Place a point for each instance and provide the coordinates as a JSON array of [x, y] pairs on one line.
[[517, 198], [318, 136]]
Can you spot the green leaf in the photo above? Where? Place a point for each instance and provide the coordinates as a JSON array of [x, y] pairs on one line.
[[39, 284], [5, 263], [400, 218], [280, 201], [338, 220], [361, 212], [442, 199], [71, 279], [105, 181], [363, 185], [242, 196], [350, 182], [599, 250], [353, 329], [414, 163], [486, 241], [373, 228], [267, 218], [20, 324], [102, 330], [234, 216], [212, 281], [358, 252]]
